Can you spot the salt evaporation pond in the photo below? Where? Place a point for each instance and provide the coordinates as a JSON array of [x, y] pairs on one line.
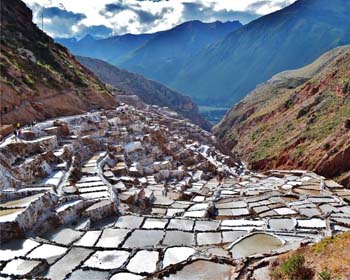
[[203, 270], [257, 243]]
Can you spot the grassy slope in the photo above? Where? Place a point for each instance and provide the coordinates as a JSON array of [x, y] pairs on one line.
[[293, 122], [330, 257]]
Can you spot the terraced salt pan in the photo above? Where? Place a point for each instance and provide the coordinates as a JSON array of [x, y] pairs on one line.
[[206, 225], [178, 238], [172, 212], [155, 223], [196, 214], [107, 259], [312, 223], [112, 238], [9, 215], [129, 222], [143, 262], [241, 223], [231, 236], [204, 270], [87, 274], [67, 263], [176, 255], [309, 212], [257, 243], [89, 238], [144, 238], [282, 224], [17, 248], [49, 252], [21, 267], [63, 236], [126, 276], [22, 202], [90, 184], [180, 224], [207, 238], [285, 211], [54, 178]]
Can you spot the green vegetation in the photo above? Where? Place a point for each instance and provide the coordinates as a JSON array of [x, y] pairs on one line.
[[346, 87], [294, 269], [327, 259], [28, 80], [46, 67], [324, 275], [288, 104]]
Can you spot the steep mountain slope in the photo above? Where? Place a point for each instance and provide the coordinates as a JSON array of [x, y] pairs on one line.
[[149, 91], [40, 79], [109, 49], [298, 119], [163, 56], [284, 40]]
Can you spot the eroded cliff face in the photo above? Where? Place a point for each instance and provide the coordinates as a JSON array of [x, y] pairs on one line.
[[298, 119], [39, 78]]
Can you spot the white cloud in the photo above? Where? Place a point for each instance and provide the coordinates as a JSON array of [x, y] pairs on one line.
[[140, 16]]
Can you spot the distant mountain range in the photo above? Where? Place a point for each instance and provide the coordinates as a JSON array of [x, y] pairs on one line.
[[298, 119], [287, 39], [219, 63], [162, 57], [109, 49], [149, 91]]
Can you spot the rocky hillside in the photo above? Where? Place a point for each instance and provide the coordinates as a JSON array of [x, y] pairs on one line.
[[298, 119], [149, 91], [40, 79]]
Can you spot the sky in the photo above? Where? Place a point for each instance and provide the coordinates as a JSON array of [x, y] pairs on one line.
[[105, 18]]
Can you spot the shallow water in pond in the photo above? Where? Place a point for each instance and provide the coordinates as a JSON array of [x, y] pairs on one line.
[[204, 270], [255, 244], [21, 202], [281, 224]]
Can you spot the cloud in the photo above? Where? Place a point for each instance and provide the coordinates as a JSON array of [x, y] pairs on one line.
[[55, 12], [148, 18], [77, 17], [115, 7], [257, 5], [145, 19], [58, 21], [193, 11]]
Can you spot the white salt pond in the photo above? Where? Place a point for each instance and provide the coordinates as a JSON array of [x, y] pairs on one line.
[[257, 243]]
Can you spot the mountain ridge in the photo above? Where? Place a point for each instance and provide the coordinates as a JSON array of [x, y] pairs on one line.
[[150, 92], [162, 57], [287, 39], [162, 53]]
